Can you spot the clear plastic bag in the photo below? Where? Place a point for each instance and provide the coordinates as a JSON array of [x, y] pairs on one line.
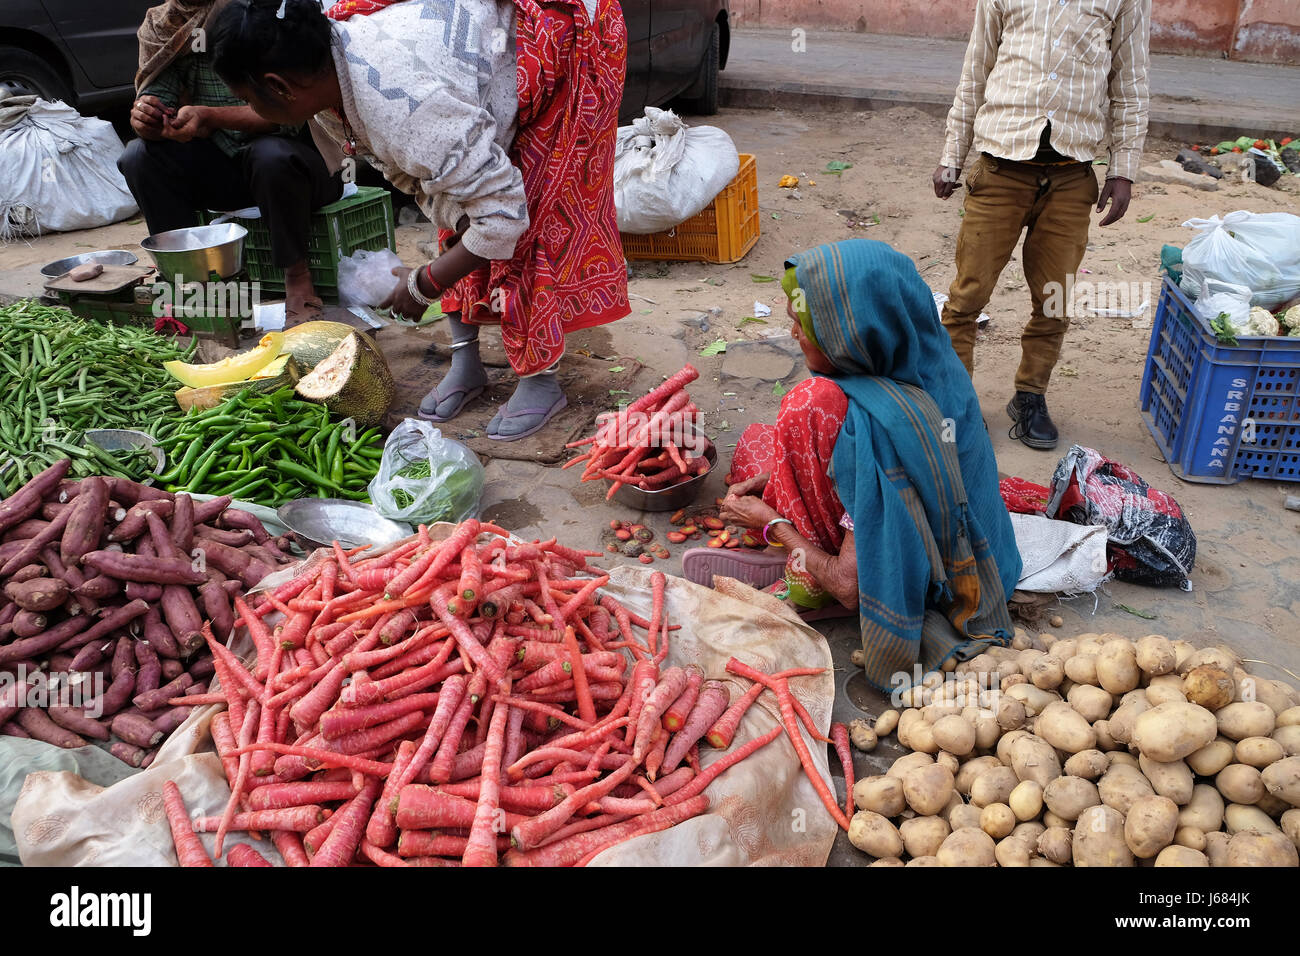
[[366, 278], [424, 477], [1217, 298], [1258, 251]]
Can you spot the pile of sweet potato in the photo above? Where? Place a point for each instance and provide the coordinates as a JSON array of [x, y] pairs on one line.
[[106, 587]]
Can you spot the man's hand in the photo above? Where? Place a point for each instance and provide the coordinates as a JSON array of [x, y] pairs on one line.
[[946, 179], [149, 118], [1118, 192], [190, 122]]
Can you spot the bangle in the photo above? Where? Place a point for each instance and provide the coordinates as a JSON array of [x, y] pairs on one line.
[[768, 527], [413, 287], [437, 289]]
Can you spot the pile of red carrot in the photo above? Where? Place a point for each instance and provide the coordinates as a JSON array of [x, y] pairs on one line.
[[636, 445], [465, 701]]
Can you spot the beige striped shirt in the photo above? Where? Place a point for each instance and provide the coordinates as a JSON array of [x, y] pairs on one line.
[[1079, 64]]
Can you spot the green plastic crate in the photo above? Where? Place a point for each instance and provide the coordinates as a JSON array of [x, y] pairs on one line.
[[362, 221], [223, 328]]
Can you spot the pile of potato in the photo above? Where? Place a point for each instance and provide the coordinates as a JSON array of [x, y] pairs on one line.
[[1092, 751]]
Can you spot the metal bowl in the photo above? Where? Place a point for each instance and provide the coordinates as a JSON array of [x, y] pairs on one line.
[[117, 439], [191, 255], [109, 257], [673, 497], [315, 522]]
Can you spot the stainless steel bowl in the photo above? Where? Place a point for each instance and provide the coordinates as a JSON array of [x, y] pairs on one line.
[[117, 439], [109, 257], [315, 522], [671, 498], [193, 254]]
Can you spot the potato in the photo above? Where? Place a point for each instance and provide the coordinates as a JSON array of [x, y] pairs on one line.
[[1289, 738], [1117, 757], [1121, 722], [1204, 811], [922, 836], [1065, 728], [972, 769], [997, 820], [1092, 703], [1216, 848], [1013, 851], [1010, 713], [1271, 692], [1149, 825], [928, 788], [886, 723], [1283, 780], [968, 846], [1117, 669], [1050, 819], [1121, 786], [1054, 843], [1176, 855], [888, 861], [1258, 752], [1211, 758], [955, 735], [1184, 651], [881, 794], [1165, 689], [1209, 686], [921, 738], [1046, 672], [1172, 731], [862, 736], [987, 730], [1099, 839], [1041, 861], [1021, 641], [86, 271], [1088, 764], [1190, 837], [1011, 681], [1067, 797], [1245, 719], [1007, 742], [924, 860], [1240, 816], [1221, 657], [1288, 718], [1291, 825], [945, 759], [874, 835], [1090, 643], [1034, 698], [993, 786], [935, 712], [1105, 742], [964, 816], [1261, 849], [1155, 655], [1032, 758], [1173, 780], [908, 762], [1273, 806], [1026, 800], [1082, 668]]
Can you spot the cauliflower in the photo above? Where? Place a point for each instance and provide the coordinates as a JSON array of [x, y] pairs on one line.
[[1290, 320], [1262, 323]]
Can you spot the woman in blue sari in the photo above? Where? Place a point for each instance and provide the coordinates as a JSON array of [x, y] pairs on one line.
[[925, 546]]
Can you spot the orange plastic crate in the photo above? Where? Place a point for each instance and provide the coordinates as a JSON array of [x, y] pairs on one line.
[[723, 232]]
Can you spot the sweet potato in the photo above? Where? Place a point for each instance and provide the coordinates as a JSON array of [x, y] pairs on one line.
[[43, 643], [135, 523], [86, 523], [75, 720], [135, 567], [182, 616], [38, 594], [38, 723], [99, 588], [27, 573], [24, 502], [159, 635], [137, 730], [29, 623], [135, 590], [110, 622], [181, 526]]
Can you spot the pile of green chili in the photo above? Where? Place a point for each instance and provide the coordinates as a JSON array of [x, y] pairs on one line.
[[269, 448], [61, 375]]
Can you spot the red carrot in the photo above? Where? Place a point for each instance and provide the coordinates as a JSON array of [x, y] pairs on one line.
[[669, 688], [372, 767], [568, 851], [840, 734], [675, 716], [644, 677], [536, 830], [482, 847], [290, 847], [724, 729], [189, 849], [341, 845], [586, 706], [711, 705], [245, 762], [241, 854], [714, 770], [282, 796]]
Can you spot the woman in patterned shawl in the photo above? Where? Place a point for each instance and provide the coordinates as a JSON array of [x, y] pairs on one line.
[[877, 487], [500, 117]]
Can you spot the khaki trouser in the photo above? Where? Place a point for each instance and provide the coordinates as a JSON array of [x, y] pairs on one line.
[[1003, 198]]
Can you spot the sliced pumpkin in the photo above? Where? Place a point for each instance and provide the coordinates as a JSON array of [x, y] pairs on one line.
[[232, 368]]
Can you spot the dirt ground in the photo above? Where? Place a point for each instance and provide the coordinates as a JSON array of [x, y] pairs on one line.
[[1245, 588]]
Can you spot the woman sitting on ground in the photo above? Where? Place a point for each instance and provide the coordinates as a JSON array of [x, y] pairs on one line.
[[877, 487]]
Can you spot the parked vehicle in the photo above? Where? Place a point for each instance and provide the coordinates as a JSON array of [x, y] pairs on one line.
[[84, 51]]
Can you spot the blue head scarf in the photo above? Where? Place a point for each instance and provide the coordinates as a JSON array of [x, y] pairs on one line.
[[913, 465]]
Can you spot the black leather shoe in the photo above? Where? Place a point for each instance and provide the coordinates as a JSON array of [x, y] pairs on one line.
[[1033, 426]]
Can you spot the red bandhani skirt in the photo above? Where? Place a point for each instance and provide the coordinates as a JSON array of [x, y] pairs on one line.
[[797, 453], [569, 272]]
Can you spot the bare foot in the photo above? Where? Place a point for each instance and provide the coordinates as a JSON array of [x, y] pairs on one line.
[[300, 300]]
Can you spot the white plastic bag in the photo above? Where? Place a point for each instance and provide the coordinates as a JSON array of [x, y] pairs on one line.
[[1059, 556], [60, 171], [424, 477], [666, 172], [1215, 298], [1258, 251], [366, 278]]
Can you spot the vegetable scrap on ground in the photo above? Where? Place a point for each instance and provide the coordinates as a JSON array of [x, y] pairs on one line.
[[1089, 751], [470, 701], [101, 585]]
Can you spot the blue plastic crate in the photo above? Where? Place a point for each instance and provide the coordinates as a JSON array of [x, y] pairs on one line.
[[1220, 413]]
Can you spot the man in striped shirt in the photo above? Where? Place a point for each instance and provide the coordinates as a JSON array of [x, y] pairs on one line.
[[1047, 88]]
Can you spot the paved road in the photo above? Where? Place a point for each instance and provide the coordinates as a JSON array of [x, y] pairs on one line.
[[1192, 97]]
